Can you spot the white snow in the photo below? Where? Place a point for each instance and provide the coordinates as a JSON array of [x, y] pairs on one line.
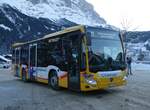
[[46, 27], [29, 28], [3, 58], [5, 27], [7, 15], [39, 33], [143, 48], [52, 29], [140, 66], [54, 9]]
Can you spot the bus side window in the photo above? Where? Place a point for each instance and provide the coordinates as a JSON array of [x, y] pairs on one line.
[[56, 54], [49, 53], [17, 56], [24, 55], [42, 54]]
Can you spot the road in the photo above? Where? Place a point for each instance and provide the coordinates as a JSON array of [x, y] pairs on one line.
[[18, 95]]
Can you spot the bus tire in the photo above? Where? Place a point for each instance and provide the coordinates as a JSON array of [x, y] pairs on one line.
[[24, 75], [53, 80]]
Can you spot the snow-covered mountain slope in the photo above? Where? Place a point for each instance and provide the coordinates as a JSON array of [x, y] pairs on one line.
[[78, 11], [22, 20], [16, 27]]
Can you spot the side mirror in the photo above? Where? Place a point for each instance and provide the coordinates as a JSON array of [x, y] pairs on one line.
[[88, 37]]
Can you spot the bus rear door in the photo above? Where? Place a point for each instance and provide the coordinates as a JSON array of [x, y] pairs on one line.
[[33, 61]]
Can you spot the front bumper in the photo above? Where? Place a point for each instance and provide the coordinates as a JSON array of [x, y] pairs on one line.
[[104, 83]]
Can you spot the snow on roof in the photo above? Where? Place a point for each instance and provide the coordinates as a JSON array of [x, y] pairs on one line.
[[3, 58], [143, 48]]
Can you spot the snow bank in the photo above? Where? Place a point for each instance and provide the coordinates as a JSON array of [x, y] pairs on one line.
[[140, 66]]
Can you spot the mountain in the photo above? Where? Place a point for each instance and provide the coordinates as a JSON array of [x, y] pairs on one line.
[[138, 45], [22, 20], [16, 26], [137, 36], [78, 11]]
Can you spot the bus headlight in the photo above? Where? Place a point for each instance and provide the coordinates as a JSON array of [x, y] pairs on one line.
[[91, 81], [125, 78]]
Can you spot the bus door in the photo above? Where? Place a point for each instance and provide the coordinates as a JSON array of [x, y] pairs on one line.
[[32, 61], [17, 61], [71, 54]]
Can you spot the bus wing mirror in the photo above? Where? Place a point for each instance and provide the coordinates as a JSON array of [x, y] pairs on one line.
[[88, 36]]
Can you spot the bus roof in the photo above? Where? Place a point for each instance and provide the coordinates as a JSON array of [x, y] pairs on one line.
[[66, 30]]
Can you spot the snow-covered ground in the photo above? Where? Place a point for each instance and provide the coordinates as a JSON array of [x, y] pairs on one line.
[[17, 95], [140, 66]]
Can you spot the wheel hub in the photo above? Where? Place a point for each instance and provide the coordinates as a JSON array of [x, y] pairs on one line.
[[53, 80]]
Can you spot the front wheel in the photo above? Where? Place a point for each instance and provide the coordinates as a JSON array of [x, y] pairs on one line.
[[53, 80]]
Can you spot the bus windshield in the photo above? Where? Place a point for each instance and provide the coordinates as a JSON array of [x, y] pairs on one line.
[[105, 51]]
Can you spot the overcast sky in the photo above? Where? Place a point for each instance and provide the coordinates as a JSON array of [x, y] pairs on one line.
[[133, 12]]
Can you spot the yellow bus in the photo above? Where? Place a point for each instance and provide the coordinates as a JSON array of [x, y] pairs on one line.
[[79, 58]]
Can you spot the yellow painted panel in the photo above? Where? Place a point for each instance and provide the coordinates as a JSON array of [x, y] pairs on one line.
[[63, 81], [42, 80], [20, 67]]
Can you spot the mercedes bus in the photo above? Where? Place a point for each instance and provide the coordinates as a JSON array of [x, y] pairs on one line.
[[79, 58]]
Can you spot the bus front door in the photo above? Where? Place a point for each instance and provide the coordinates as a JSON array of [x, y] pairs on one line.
[[73, 65]]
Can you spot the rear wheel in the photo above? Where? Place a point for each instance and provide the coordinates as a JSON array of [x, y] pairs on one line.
[[4, 66], [53, 80]]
